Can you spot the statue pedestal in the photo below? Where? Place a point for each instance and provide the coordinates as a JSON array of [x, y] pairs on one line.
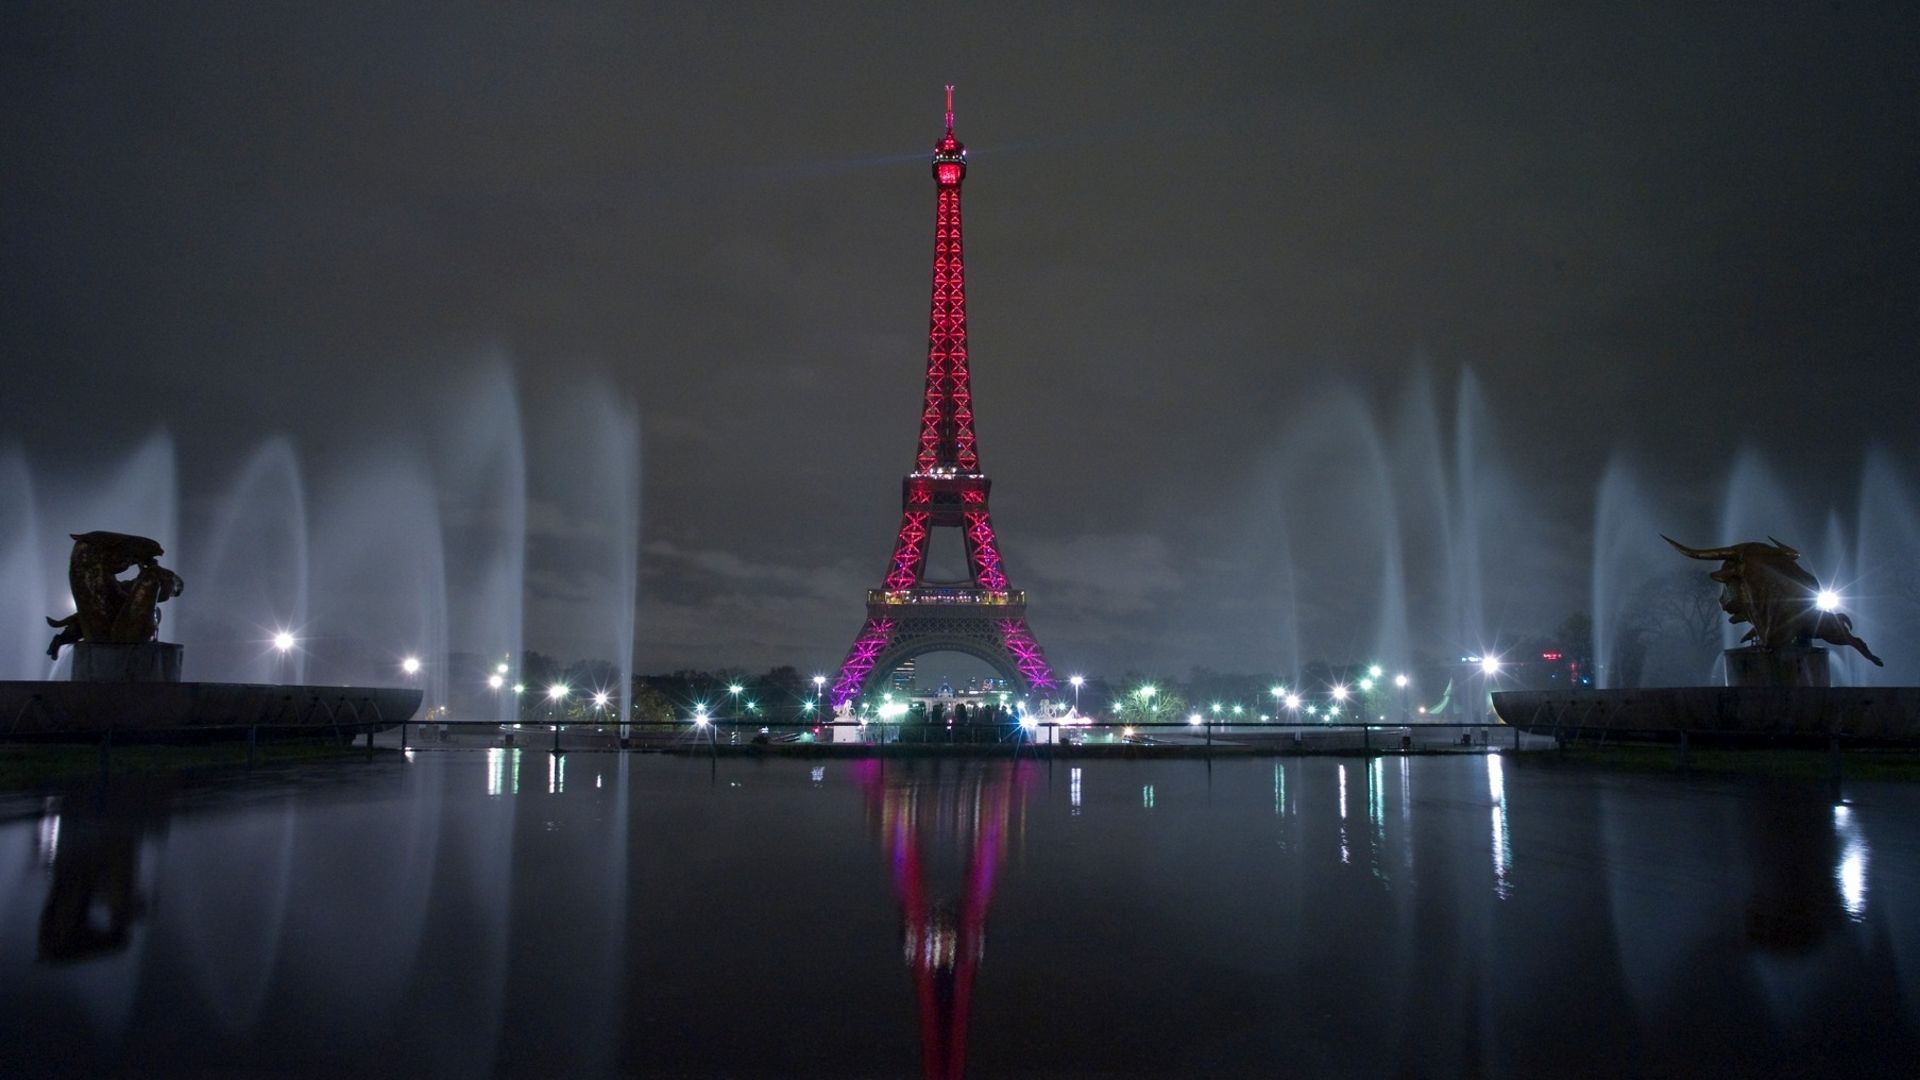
[[1789, 665], [146, 661]]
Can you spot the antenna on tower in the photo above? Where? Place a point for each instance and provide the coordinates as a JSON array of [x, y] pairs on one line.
[[949, 108]]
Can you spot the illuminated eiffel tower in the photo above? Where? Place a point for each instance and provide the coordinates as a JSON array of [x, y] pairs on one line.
[[909, 615]]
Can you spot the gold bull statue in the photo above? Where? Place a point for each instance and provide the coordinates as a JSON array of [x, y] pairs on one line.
[[105, 608], [1765, 585]]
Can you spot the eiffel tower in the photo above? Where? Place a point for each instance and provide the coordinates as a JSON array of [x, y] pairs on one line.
[[909, 615]]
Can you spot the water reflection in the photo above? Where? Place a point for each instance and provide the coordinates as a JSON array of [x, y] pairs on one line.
[[684, 917], [927, 817], [94, 895]]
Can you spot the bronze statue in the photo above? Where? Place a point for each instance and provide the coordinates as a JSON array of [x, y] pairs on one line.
[[1765, 585], [107, 609]]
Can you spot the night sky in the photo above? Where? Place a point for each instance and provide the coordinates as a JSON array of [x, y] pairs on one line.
[[1193, 240]]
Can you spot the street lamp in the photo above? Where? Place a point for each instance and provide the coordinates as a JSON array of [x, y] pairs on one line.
[[819, 681], [411, 665], [283, 640], [495, 682], [1078, 681], [734, 690]]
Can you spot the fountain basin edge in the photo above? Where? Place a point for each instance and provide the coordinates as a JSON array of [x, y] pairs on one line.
[[1861, 715], [45, 709]]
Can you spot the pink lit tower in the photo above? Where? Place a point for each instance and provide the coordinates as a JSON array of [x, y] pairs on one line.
[[909, 615]]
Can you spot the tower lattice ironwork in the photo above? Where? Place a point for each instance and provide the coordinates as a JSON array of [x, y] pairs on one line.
[[909, 615]]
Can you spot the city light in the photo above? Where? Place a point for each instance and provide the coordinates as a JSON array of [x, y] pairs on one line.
[[818, 682], [1366, 684], [1278, 692], [734, 689], [1340, 692], [556, 692], [495, 682], [283, 641], [500, 668], [1194, 718], [1827, 600], [1293, 702], [1146, 692], [1078, 681], [1216, 708], [1374, 671], [519, 688], [600, 699], [1400, 681], [1490, 665], [411, 665], [700, 716], [1029, 721]]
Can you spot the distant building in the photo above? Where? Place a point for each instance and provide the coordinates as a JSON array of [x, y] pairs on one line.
[[902, 678]]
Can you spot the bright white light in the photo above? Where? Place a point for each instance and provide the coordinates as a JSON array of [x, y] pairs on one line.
[[734, 688], [495, 682], [556, 691], [1366, 684], [1374, 671], [1400, 681], [500, 669], [1293, 701], [1340, 693], [1278, 691], [1490, 665], [1029, 722], [411, 665], [819, 681], [283, 641], [1078, 681], [519, 688], [1827, 600], [1146, 692], [1193, 719], [1216, 708], [600, 699], [892, 710], [699, 719]]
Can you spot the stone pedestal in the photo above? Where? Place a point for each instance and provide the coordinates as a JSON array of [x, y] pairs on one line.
[[1789, 665], [147, 661]]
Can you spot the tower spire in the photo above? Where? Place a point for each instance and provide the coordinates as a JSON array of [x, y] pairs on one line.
[[949, 108]]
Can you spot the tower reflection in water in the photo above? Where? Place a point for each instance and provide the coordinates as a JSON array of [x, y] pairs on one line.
[[945, 832]]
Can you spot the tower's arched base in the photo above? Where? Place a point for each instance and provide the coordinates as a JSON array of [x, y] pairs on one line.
[[898, 631]]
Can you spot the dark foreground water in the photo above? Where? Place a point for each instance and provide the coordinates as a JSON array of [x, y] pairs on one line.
[[502, 912]]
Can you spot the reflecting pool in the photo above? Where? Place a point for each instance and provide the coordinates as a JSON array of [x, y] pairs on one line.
[[507, 912]]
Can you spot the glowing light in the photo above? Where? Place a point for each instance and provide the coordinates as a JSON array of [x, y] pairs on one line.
[[519, 688], [1293, 702], [411, 665], [1237, 710], [734, 689], [1490, 665], [1216, 708], [1400, 681], [1340, 692], [1078, 681], [283, 641], [500, 669], [818, 681], [600, 699], [1366, 684], [495, 682], [1374, 671], [556, 692], [1146, 692], [1827, 600], [1126, 733], [1195, 718], [1029, 722]]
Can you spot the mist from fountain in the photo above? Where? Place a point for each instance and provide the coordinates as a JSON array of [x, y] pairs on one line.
[[1623, 558], [24, 593], [1883, 590], [482, 489], [250, 573], [1402, 512]]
